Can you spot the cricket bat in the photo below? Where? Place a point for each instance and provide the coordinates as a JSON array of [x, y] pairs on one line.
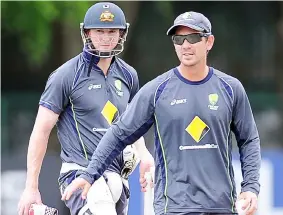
[[149, 194]]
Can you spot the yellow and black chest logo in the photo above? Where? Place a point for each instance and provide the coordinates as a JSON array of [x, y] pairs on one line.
[[197, 129], [109, 112]]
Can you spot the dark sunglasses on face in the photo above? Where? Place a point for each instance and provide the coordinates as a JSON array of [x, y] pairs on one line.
[[191, 38]]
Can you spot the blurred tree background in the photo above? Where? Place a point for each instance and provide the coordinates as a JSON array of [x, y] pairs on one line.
[[39, 36]]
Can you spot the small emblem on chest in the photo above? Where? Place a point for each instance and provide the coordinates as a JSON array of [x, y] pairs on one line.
[[213, 99], [118, 86]]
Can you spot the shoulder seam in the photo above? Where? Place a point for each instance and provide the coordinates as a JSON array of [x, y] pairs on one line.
[[132, 81], [154, 99], [73, 85], [232, 90]]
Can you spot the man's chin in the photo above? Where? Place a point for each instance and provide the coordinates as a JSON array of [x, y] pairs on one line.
[[188, 63]]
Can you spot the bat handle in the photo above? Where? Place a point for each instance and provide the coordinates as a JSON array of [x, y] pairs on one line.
[[148, 195], [148, 178]]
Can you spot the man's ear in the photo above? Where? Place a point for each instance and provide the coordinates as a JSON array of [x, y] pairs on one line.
[[210, 42]]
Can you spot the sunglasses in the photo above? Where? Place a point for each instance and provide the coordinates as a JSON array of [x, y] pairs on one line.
[[191, 38]]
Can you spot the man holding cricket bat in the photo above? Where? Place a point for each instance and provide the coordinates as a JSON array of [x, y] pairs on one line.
[[83, 97], [194, 109]]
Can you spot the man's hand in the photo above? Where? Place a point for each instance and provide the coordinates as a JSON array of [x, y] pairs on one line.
[[29, 196], [146, 166], [250, 202], [78, 183]]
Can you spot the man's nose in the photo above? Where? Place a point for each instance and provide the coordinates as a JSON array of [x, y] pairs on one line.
[[106, 37], [186, 44]]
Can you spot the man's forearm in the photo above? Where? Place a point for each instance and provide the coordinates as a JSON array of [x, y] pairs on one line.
[[142, 151], [36, 152], [250, 161], [107, 150]]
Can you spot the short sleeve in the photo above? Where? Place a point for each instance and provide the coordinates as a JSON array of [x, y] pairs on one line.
[[56, 93]]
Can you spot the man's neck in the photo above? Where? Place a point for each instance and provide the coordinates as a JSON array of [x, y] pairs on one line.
[[194, 73], [104, 64]]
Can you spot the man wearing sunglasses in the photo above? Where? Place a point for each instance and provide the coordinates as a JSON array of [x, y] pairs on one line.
[[194, 109]]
